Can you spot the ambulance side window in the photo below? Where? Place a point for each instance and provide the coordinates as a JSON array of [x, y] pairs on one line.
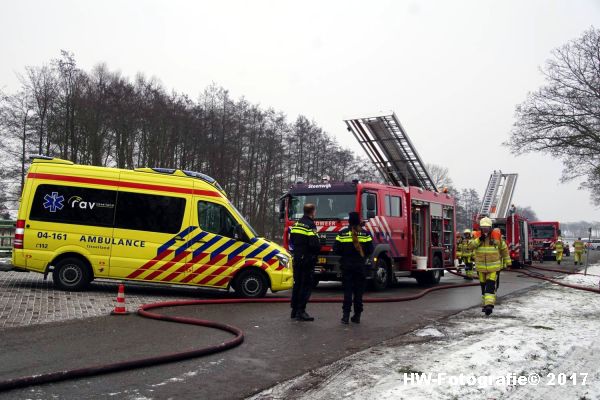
[[73, 205], [149, 212], [215, 218]]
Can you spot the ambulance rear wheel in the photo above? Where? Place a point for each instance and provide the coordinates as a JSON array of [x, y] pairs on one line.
[[251, 283], [71, 274]]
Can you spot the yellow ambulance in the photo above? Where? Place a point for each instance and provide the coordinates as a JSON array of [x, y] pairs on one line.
[[149, 224]]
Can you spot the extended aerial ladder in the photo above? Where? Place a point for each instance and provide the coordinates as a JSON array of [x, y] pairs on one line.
[[498, 195], [390, 149], [497, 205]]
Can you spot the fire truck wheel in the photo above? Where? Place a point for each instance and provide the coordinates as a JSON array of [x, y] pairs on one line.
[[431, 277], [71, 273], [251, 283], [382, 276]]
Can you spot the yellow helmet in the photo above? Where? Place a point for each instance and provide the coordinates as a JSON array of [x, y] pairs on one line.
[[485, 222], [467, 231]]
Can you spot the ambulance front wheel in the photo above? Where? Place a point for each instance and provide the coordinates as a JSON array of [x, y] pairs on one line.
[[72, 274], [251, 283]]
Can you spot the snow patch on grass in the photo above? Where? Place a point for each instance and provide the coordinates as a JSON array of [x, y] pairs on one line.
[[551, 329], [429, 331]]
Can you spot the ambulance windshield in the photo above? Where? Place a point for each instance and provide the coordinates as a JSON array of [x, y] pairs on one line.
[[330, 206], [239, 214]]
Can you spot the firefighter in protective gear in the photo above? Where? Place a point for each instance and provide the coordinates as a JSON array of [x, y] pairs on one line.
[[559, 248], [305, 248], [497, 235], [467, 254], [354, 245], [579, 249], [491, 255], [459, 242]]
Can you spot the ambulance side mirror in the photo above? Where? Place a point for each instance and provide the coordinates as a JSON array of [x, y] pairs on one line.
[[238, 233]]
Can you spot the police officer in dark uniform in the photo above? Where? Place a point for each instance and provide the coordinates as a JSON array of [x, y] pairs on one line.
[[305, 248], [354, 245]]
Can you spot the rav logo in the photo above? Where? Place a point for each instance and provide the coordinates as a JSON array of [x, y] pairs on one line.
[[77, 202]]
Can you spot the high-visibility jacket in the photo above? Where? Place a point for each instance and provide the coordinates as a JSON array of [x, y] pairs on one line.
[[344, 247], [579, 246], [558, 246], [304, 239], [459, 246], [465, 249], [490, 255]]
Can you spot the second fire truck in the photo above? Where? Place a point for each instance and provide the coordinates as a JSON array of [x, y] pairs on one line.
[[497, 205]]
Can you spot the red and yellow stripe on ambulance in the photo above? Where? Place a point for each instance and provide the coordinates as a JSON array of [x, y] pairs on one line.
[[211, 259], [155, 225]]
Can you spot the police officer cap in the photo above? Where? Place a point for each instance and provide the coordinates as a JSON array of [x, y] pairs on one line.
[[353, 218]]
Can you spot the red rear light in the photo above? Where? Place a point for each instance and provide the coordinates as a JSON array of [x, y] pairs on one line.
[[19, 234]]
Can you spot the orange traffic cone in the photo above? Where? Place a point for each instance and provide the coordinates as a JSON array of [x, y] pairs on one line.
[[120, 306]]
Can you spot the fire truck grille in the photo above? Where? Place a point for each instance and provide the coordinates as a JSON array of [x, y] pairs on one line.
[[327, 238]]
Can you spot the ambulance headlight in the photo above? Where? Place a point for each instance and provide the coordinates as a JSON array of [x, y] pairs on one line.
[[283, 259]]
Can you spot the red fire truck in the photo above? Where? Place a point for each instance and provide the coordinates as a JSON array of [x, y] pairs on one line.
[[497, 205], [543, 235], [412, 223]]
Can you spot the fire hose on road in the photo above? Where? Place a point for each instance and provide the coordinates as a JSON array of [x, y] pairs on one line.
[[238, 335]]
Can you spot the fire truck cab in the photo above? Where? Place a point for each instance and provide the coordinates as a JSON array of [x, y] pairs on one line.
[[412, 228], [411, 221], [543, 235]]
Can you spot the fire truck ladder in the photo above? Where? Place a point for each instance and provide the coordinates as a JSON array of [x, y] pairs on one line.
[[498, 195], [388, 146]]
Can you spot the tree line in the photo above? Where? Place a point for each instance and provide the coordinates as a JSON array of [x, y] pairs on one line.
[[100, 117]]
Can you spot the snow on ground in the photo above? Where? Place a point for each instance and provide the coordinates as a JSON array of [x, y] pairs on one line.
[[545, 331]]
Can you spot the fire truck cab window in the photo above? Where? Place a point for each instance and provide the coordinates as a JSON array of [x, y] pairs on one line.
[[368, 199], [393, 206], [215, 218], [542, 232], [332, 206]]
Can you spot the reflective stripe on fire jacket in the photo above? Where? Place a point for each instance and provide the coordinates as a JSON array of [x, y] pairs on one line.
[[579, 246], [464, 248], [490, 255]]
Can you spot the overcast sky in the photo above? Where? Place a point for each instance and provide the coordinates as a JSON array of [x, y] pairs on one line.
[[452, 71]]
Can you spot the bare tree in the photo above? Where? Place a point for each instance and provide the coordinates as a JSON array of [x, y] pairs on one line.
[[42, 84], [440, 175], [562, 118], [17, 122]]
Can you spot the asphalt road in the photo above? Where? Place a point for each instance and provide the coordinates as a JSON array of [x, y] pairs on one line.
[[275, 348]]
